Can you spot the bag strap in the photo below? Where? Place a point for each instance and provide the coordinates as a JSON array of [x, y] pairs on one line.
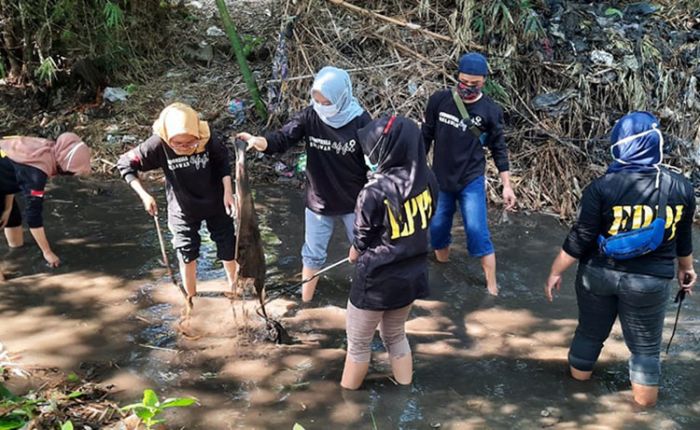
[[664, 191], [466, 119], [460, 105]]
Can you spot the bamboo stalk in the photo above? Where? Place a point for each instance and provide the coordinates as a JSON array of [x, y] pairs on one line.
[[398, 22], [237, 47], [353, 70], [390, 20]]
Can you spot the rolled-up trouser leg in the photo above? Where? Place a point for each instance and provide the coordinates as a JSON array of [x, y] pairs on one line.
[[360, 325], [392, 329], [597, 311], [642, 309], [186, 239]]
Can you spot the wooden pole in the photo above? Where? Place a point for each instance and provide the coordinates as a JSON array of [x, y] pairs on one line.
[[399, 22]]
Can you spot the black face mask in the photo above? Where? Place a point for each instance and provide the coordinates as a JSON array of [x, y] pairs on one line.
[[468, 92]]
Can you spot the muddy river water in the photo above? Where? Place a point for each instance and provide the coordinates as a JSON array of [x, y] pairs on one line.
[[110, 313]]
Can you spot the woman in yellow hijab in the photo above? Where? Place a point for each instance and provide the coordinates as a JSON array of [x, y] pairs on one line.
[[197, 184]]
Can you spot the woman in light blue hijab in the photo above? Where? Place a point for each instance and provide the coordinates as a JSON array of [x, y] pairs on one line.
[[332, 99], [335, 166]]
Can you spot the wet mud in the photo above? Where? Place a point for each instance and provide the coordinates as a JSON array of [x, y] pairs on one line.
[[110, 313]]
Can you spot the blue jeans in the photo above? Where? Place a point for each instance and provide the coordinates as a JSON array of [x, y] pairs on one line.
[[640, 302], [318, 232], [472, 205]]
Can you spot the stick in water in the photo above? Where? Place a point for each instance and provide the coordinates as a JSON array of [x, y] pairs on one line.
[[165, 258], [286, 289], [679, 299], [324, 270]]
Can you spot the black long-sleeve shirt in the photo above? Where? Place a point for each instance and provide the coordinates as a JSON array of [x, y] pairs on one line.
[[458, 157], [625, 201], [392, 270], [193, 183], [335, 166], [27, 181]]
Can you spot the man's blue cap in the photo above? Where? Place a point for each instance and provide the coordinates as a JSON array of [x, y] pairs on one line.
[[473, 63]]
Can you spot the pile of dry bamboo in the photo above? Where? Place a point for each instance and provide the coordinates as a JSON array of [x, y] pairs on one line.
[[399, 52]]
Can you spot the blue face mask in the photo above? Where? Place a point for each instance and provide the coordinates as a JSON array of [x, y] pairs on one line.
[[368, 157], [325, 111], [368, 160], [372, 166]]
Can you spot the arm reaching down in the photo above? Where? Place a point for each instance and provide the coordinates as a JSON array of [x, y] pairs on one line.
[[39, 235], [147, 156], [559, 266]]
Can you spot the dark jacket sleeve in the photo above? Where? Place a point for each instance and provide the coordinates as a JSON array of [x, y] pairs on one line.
[[583, 236], [369, 219], [434, 191], [149, 155], [289, 135], [429, 122], [32, 183], [220, 159], [684, 229], [496, 142]]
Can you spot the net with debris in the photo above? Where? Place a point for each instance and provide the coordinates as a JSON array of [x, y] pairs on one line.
[[564, 71]]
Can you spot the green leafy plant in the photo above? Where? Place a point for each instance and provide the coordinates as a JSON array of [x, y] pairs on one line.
[[251, 43], [478, 26], [530, 21], [150, 408], [298, 426], [501, 18], [114, 16], [611, 11], [18, 410], [46, 72], [131, 89], [495, 90]]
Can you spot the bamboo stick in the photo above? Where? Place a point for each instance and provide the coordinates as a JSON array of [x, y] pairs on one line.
[[237, 47]]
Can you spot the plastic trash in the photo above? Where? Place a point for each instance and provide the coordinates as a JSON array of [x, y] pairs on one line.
[[215, 31], [115, 94], [412, 88], [641, 8], [555, 103], [236, 109], [301, 163], [282, 169], [602, 57]]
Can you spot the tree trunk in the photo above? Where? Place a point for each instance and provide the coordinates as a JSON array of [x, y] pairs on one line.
[[9, 42], [28, 42]]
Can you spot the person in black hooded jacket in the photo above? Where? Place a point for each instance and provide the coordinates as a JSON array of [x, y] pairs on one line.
[[390, 246], [634, 287]]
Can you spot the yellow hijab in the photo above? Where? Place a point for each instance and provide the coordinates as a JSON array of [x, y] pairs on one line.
[[179, 118]]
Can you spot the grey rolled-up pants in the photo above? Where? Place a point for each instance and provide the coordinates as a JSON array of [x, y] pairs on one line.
[[360, 325]]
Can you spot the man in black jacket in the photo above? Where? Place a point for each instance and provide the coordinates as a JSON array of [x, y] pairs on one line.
[[460, 122]]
